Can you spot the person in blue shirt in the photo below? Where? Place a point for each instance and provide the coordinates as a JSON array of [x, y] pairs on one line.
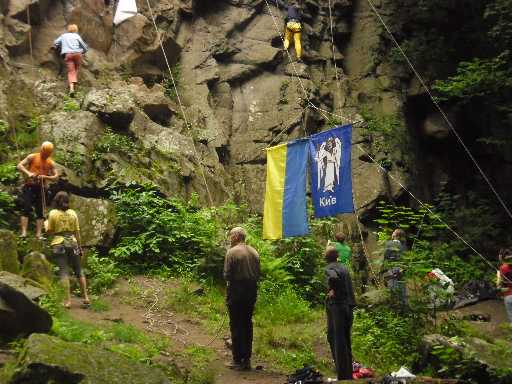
[[293, 29], [71, 47]]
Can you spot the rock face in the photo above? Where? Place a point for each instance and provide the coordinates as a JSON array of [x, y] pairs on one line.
[[19, 314], [97, 220], [236, 86], [8, 252], [48, 359]]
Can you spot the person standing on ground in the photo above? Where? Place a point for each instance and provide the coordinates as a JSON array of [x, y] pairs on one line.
[[504, 280], [293, 28], [63, 224], [393, 273], [339, 305], [39, 169], [242, 273], [71, 46], [343, 249]]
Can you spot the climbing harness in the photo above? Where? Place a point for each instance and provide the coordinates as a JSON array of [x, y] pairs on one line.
[[187, 124]]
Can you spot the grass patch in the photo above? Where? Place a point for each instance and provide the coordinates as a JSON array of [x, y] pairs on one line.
[[99, 305]]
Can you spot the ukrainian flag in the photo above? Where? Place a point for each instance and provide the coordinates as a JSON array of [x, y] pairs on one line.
[[285, 213]]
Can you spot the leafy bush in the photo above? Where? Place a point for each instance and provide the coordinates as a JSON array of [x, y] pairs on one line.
[[433, 245], [384, 339], [479, 77], [8, 173], [102, 272], [6, 207], [154, 231], [111, 142], [70, 104], [170, 90]]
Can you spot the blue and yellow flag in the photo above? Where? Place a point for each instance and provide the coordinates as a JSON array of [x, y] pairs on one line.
[[331, 171], [285, 213]]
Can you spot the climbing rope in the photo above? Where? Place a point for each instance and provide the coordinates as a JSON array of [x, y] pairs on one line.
[[427, 208], [295, 73], [363, 244], [30, 37], [441, 111], [188, 125], [448, 122]]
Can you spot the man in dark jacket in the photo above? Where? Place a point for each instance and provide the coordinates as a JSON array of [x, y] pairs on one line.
[[293, 29], [339, 305], [241, 272]]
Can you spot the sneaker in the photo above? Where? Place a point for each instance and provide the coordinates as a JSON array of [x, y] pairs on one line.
[[233, 365], [245, 365]]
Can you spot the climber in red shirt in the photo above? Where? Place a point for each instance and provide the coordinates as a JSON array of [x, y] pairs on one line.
[[504, 280]]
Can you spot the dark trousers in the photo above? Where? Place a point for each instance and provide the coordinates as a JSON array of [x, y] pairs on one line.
[[241, 298], [32, 198], [339, 326]]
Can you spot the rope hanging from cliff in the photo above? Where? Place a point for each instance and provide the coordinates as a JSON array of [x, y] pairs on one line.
[[201, 166], [389, 174], [428, 209], [441, 111], [296, 74]]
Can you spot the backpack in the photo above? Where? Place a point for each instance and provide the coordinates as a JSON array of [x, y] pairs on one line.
[[306, 375]]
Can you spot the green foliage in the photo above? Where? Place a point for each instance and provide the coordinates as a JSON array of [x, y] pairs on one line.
[[8, 173], [498, 15], [102, 272], [7, 206], [99, 305], [27, 132], [478, 78], [169, 86], [112, 142], [434, 245], [384, 339], [70, 104], [385, 133], [155, 230]]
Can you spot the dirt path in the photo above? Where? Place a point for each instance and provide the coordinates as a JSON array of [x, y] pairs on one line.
[[183, 331]]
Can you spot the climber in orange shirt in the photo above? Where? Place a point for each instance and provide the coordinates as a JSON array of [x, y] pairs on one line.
[[39, 169]]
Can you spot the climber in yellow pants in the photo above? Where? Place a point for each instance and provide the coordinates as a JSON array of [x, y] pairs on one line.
[[293, 29]]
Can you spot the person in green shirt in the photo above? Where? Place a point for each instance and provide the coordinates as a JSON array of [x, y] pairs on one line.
[[343, 249]]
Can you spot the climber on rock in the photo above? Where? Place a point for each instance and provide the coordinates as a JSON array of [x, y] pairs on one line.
[[39, 169], [71, 47], [293, 27]]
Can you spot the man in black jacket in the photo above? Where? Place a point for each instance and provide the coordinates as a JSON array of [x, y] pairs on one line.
[[339, 305], [293, 29]]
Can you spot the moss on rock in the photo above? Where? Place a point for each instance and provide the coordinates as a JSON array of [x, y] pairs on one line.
[[49, 359], [8, 252]]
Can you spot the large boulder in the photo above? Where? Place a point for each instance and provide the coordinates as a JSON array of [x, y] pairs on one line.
[[97, 219], [19, 314], [482, 361], [37, 268], [36, 9], [48, 359], [115, 107], [8, 252]]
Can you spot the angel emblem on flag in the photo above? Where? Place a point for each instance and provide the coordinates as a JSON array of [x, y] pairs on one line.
[[328, 159]]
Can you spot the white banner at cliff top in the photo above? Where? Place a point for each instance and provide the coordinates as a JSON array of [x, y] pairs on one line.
[[125, 10]]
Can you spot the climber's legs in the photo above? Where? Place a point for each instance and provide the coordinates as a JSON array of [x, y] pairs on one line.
[[297, 36], [73, 65], [24, 225], [287, 38]]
